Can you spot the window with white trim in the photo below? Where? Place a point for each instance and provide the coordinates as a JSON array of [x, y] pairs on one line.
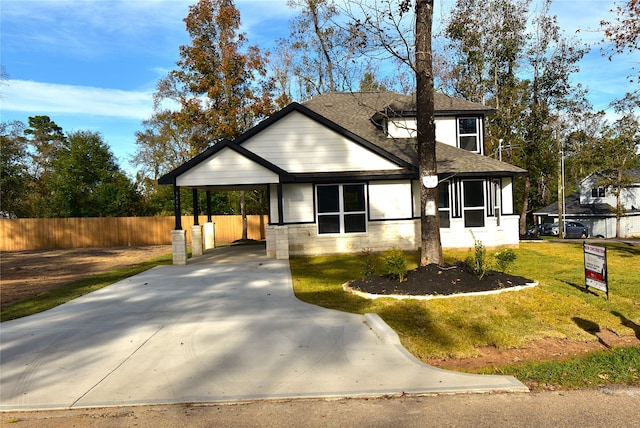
[[473, 203], [496, 193], [444, 204], [469, 134], [341, 208]]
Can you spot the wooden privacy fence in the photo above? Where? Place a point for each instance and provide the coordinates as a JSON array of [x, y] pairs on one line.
[[51, 233]]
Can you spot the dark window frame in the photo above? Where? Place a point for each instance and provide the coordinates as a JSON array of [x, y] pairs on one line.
[[347, 217], [477, 134]]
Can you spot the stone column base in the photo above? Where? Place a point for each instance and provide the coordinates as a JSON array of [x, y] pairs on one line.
[[278, 242], [196, 240], [179, 246]]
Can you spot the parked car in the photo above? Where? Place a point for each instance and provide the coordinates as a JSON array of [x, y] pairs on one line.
[[534, 231], [546, 228], [572, 229]]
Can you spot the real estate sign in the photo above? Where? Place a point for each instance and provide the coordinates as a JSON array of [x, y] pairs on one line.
[[595, 267]]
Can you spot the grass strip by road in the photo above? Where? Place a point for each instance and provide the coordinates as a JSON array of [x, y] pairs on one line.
[[65, 293], [615, 366], [559, 307]]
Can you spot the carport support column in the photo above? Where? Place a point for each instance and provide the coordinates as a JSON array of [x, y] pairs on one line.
[[277, 242], [209, 227], [209, 235], [179, 246], [196, 240]]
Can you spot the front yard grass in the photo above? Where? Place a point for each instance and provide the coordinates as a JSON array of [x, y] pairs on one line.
[[458, 327]]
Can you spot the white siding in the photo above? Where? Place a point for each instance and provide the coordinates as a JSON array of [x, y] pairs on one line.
[[390, 200], [507, 196], [402, 128], [297, 203], [227, 168], [273, 203], [446, 131], [406, 128], [298, 144], [630, 196]]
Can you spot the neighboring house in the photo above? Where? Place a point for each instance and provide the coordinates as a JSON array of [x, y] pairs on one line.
[[341, 173], [594, 206]]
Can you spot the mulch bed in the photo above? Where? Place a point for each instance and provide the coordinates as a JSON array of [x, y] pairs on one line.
[[436, 280]]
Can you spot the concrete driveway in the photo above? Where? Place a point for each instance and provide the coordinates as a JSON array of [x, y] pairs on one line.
[[208, 333]]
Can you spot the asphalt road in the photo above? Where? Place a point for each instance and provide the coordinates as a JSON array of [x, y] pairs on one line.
[[607, 407]]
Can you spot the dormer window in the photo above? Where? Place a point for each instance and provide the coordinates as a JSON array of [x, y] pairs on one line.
[[469, 134]]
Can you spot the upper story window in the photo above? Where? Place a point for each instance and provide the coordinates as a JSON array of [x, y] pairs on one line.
[[341, 208], [469, 134], [597, 192]]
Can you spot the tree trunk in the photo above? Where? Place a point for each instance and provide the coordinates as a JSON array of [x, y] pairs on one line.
[[431, 247]]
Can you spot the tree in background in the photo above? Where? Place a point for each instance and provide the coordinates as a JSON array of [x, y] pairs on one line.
[[624, 31], [616, 151], [519, 63], [486, 42], [14, 175], [220, 86], [44, 138], [77, 175], [322, 48], [85, 181]]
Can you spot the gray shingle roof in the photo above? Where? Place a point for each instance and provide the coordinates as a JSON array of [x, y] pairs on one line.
[[573, 207], [358, 112]]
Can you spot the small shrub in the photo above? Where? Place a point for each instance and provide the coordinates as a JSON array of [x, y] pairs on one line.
[[478, 262], [368, 263], [505, 259], [395, 262]]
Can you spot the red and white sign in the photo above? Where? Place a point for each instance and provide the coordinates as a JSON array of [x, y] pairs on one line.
[[595, 267]]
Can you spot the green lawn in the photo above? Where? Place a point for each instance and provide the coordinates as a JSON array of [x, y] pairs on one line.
[[457, 327]]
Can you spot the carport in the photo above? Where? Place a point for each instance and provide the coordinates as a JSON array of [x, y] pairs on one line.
[[226, 166]]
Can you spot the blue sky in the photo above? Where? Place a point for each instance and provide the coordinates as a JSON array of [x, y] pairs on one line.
[[94, 64]]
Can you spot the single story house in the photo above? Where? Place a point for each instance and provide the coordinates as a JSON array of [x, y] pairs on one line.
[[341, 174], [594, 206]]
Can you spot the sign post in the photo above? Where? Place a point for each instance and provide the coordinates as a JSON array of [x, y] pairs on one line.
[[595, 268]]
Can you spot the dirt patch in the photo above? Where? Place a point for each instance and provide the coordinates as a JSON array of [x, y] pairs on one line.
[[24, 274], [550, 349]]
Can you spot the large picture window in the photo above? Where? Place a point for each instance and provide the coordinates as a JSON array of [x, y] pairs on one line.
[[341, 208], [469, 134], [473, 203]]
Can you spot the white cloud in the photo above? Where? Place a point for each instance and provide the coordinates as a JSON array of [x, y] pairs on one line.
[[48, 98]]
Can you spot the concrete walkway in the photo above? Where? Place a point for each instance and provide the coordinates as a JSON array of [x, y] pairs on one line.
[[208, 333]]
